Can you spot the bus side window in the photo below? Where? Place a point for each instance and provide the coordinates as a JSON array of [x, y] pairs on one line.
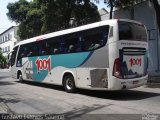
[[72, 43], [23, 52], [71, 48], [92, 40], [30, 53], [41, 48], [35, 50], [61, 45], [47, 48], [95, 38], [105, 37], [81, 44], [54, 46]]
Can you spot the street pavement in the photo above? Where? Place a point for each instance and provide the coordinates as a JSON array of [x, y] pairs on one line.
[[27, 98]]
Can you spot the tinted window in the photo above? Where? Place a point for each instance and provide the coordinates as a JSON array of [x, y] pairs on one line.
[[27, 50], [86, 40], [72, 43], [53, 45], [132, 31], [95, 38], [13, 56]]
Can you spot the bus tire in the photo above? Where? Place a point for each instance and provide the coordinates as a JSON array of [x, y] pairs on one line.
[[68, 83], [19, 76]]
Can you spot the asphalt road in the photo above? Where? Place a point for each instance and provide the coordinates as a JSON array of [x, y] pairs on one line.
[[27, 98]]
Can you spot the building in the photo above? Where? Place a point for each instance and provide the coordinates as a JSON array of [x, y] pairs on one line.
[[104, 14], [8, 39], [145, 13]]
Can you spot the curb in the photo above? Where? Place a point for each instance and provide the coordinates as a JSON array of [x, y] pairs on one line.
[[153, 85], [4, 70]]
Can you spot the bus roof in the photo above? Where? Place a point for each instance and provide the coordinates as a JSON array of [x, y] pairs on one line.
[[72, 30]]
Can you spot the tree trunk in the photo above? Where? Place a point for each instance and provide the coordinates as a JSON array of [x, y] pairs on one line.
[[111, 9]]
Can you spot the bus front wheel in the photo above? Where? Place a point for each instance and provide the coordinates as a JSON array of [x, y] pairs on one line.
[[69, 84], [19, 76]]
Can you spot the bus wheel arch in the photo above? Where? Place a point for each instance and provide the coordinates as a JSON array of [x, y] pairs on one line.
[[19, 75], [69, 82]]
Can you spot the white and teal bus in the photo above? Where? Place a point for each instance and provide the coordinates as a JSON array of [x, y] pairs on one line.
[[107, 55]]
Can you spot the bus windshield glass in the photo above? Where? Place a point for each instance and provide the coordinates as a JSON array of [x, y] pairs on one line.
[[132, 31]]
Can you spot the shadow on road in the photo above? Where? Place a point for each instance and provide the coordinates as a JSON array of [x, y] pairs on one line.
[[79, 112], [3, 77], [112, 95], [123, 95], [45, 85], [5, 100], [82, 113], [6, 83], [9, 100]]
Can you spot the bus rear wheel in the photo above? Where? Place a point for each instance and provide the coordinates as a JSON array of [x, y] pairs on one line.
[[69, 84]]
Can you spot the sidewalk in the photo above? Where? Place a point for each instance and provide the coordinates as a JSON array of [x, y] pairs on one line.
[[4, 70], [154, 78], [154, 82]]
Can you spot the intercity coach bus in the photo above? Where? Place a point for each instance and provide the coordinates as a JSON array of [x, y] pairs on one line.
[[106, 55]]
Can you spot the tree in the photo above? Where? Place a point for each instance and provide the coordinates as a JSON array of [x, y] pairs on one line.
[[44, 16], [3, 60]]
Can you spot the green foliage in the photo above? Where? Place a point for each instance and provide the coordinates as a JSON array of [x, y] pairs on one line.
[[18, 11], [44, 16], [3, 60]]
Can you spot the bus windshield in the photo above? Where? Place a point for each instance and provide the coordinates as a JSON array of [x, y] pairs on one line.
[[132, 31], [13, 56]]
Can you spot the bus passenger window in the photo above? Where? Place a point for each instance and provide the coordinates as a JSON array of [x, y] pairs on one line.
[[30, 54], [94, 46], [95, 38], [55, 50], [42, 48], [35, 51], [72, 43], [71, 48], [43, 52], [53, 46], [91, 42], [80, 46], [23, 52]]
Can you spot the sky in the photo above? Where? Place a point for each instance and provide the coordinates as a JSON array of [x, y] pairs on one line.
[[5, 23]]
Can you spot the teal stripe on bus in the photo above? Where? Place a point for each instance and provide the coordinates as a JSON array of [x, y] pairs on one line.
[[71, 60]]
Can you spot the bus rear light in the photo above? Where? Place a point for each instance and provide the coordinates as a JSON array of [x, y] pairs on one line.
[[117, 69]]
